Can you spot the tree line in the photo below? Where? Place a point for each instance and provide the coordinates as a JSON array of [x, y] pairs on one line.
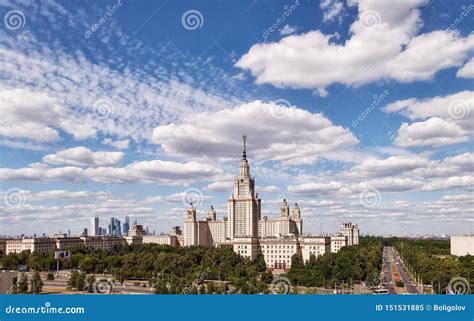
[[352, 264], [184, 269], [429, 261]]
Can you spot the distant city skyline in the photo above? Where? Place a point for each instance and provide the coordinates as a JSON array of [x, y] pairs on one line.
[[141, 113]]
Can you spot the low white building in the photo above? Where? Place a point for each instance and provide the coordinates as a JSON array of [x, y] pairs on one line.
[[337, 242], [351, 231], [43, 244], [278, 251], [164, 239], [314, 245], [47, 244], [462, 245]]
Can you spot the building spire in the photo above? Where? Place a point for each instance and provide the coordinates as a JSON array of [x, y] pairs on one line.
[[244, 153]]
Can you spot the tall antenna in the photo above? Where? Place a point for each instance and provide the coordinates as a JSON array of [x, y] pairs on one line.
[[244, 154]]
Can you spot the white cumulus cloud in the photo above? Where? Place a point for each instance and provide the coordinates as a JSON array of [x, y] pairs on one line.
[[81, 156], [287, 134], [383, 44]]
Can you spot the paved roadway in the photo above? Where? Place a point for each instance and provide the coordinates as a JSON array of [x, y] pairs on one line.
[[409, 285], [387, 272]]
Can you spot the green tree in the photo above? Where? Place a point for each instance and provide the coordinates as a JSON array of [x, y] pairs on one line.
[[72, 282], [88, 264], [399, 283], [36, 283], [90, 280], [261, 265], [81, 281], [160, 287], [211, 287], [23, 283], [10, 262]]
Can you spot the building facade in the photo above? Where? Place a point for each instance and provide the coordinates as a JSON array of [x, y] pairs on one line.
[[462, 245], [42, 244], [244, 230], [351, 232], [95, 229], [48, 244]]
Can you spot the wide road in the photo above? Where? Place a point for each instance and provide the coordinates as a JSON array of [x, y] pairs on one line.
[[409, 285], [387, 272]]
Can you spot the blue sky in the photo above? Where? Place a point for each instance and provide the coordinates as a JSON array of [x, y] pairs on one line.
[[357, 110]]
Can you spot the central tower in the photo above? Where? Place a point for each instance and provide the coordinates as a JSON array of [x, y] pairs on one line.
[[244, 184], [243, 205]]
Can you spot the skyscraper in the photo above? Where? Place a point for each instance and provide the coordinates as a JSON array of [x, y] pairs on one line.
[[244, 210], [249, 234], [126, 226], [243, 206], [95, 230], [112, 226]]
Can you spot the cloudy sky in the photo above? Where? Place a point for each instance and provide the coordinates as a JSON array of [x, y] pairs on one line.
[[358, 110]]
